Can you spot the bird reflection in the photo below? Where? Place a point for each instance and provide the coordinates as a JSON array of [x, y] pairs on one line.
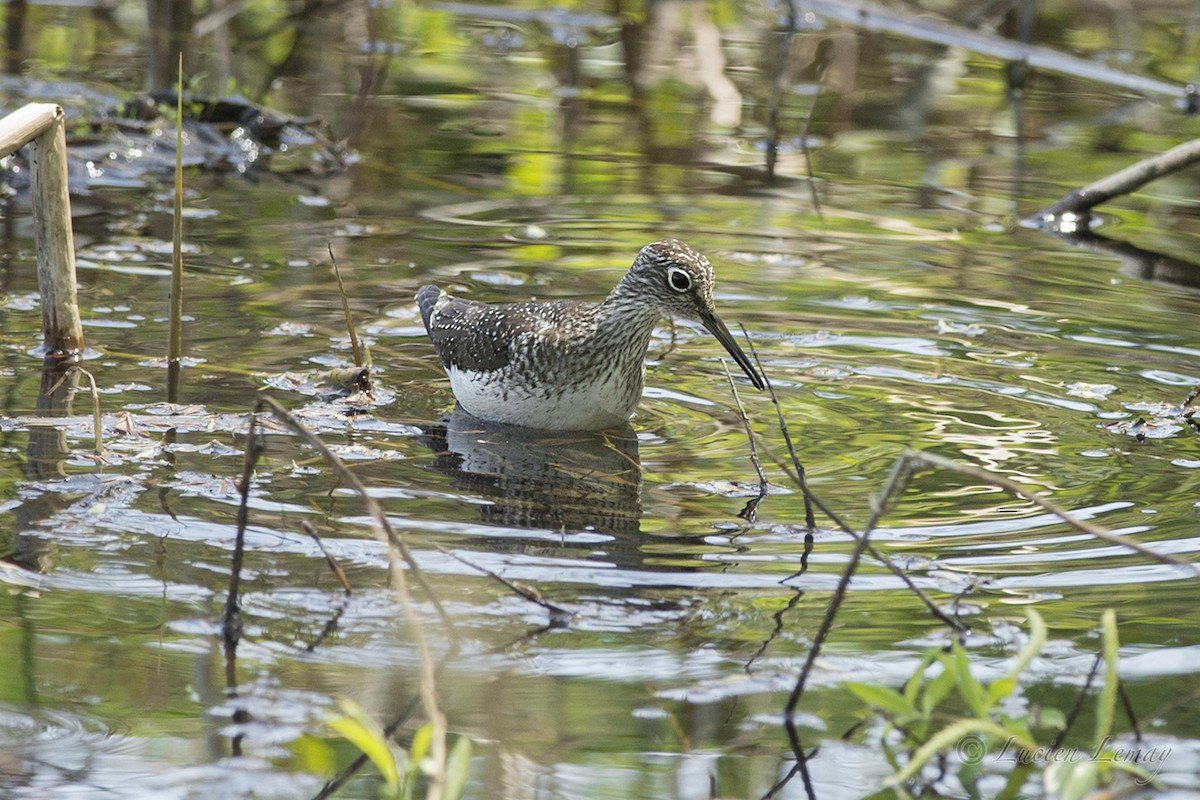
[[562, 481]]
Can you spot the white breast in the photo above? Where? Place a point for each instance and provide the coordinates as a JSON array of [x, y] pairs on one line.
[[587, 406]]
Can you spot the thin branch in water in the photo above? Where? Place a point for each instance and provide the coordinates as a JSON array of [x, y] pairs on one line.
[[1077, 706], [1192, 395], [811, 500], [1014, 488], [1073, 211], [799, 477], [1189, 413], [897, 21], [330, 627], [334, 566], [835, 603], [897, 481], [97, 421], [383, 527], [389, 730], [776, 631], [774, 101], [1127, 704], [231, 617], [337, 273], [559, 616], [799, 768], [764, 485], [428, 690]]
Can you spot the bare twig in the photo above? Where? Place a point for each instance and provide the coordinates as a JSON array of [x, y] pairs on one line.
[[175, 297], [383, 527], [389, 730], [1014, 488], [831, 611], [97, 421], [777, 91], [1073, 209], [334, 566], [427, 690], [1127, 704], [337, 273], [763, 484], [559, 616], [811, 500], [898, 480], [799, 477], [1077, 706], [231, 617]]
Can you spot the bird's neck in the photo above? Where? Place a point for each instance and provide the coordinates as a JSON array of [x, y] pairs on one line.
[[625, 315]]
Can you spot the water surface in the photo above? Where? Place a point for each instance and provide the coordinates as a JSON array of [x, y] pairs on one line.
[[506, 158]]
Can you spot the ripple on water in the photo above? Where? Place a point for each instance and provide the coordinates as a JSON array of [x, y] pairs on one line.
[[58, 754]]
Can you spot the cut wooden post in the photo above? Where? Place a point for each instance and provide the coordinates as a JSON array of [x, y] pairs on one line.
[[42, 127]]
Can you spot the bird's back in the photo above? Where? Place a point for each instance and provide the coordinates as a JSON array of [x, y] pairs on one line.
[[482, 337]]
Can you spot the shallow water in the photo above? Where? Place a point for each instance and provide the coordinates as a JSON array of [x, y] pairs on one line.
[[912, 312]]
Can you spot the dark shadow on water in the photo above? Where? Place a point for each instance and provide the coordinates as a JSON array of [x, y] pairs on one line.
[[1138, 262], [553, 480]]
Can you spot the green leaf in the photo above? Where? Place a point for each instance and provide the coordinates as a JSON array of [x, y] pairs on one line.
[[940, 686], [358, 728], [1070, 780], [458, 767], [1037, 640], [314, 756], [1016, 782], [1107, 702], [971, 690], [1001, 688], [1109, 764], [884, 698], [420, 746], [955, 736], [1017, 727], [913, 687], [1051, 718]]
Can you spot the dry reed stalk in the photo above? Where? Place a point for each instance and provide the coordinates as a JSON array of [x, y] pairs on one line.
[[43, 127]]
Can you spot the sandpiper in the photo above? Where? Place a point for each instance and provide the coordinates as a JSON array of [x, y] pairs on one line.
[[568, 365]]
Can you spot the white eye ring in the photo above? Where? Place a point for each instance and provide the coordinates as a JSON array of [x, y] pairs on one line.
[[678, 279]]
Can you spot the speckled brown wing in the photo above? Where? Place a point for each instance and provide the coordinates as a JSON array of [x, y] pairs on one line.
[[465, 334], [479, 337]]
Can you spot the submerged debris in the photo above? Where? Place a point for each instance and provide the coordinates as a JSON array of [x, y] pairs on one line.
[[348, 388], [123, 144], [1160, 420]]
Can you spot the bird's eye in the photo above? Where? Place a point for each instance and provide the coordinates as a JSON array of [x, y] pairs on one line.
[[679, 279]]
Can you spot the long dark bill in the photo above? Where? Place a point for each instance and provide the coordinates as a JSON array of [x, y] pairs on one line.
[[718, 329]]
